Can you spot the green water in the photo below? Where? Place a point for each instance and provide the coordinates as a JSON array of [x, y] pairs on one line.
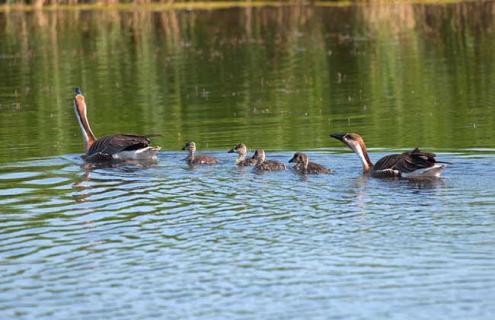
[[281, 78], [167, 240]]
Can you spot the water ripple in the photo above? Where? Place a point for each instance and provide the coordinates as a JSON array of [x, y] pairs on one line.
[[218, 235]]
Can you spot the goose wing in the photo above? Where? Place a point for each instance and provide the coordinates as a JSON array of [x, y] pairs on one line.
[[247, 162], [205, 159], [116, 143], [270, 165], [317, 168], [406, 162]]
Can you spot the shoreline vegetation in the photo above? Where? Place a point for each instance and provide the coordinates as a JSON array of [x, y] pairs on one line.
[[29, 5]]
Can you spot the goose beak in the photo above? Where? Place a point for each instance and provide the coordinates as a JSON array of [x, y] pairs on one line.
[[184, 147], [231, 151], [291, 160], [339, 136]]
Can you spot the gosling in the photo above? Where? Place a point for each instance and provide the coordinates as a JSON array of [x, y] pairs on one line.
[[192, 158], [266, 165], [304, 166]]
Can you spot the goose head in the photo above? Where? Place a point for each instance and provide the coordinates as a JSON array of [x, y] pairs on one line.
[[190, 146], [259, 155], [356, 143], [80, 110], [352, 140], [300, 158], [240, 149]]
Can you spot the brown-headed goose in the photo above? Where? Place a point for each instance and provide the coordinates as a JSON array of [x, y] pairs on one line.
[[303, 165], [112, 147], [266, 165], [197, 159], [242, 151], [413, 164]]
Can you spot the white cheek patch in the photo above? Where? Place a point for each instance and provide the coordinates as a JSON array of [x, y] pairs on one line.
[[85, 134], [357, 148]]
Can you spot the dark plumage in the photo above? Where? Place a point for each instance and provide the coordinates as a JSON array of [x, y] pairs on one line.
[[413, 164], [303, 165], [406, 162], [111, 147], [192, 158], [266, 165], [113, 144]]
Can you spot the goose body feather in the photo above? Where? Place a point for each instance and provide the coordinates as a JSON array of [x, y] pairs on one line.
[[270, 165], [411, 164], [202, 159]]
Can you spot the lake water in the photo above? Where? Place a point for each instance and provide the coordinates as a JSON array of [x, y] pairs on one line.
[[168, 241]]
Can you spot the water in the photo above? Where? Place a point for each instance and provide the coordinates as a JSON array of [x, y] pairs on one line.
[[224, 242], [166, 240]]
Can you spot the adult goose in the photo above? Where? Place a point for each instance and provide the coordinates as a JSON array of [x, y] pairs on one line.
[[112, 147], [412, 164]]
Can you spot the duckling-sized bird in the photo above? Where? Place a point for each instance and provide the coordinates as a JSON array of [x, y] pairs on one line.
[[266, 165], [242, 151], [413, 164], [303, 165], [112, 147], [197, 159]]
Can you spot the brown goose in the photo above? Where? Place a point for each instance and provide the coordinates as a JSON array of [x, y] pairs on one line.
[[197, 159], [241, 160], [413, 164], [266, 165], [112, 147], [303, 165]]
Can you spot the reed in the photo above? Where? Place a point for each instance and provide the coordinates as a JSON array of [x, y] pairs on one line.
[[37, 4]]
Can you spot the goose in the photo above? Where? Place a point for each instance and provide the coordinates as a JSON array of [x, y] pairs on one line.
[[111, 147], [409, 165], [241, 160], [197, 159], [266, 165], [303, 165]]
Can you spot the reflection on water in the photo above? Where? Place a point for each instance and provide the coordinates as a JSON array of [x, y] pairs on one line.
[[130, 242], [168, 240], [279, 77]]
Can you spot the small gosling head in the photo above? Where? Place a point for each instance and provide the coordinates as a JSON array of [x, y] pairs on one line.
[[190, 146], [240, 149], [300, 158], [259, 155]]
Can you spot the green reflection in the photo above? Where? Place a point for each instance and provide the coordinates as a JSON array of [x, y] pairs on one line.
[[279, 77]]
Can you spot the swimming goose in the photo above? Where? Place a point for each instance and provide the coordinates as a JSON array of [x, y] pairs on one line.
[[303, 165], [197, 159], [413, 164], [241, 160], [112, 147], [266, 165]]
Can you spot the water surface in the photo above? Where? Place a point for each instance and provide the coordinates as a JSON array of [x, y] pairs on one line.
[[278, 77], [170, 241], [222, 242]]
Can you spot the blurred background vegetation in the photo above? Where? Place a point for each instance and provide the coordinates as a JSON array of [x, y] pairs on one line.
[[281, 77], [197, 3]]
